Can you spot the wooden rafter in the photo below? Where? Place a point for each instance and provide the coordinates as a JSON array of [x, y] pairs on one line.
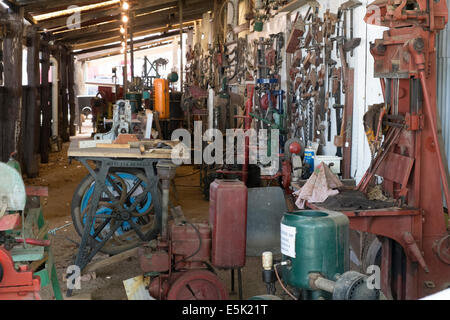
[[109, 30]]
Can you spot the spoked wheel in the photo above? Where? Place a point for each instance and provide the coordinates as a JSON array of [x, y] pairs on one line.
[[197, 285], [137, 218]]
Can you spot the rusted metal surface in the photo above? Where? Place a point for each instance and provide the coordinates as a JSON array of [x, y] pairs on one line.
[[348, 124], [228, 217], [411, 268], [415, 243], [33, 191]]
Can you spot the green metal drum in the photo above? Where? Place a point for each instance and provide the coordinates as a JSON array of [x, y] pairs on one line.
[[135, 101], [314, 242]]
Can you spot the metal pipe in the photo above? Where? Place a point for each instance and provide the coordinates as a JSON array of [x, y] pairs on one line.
[[416, 50], [180, 5], [131, 50], [325, 284], [165, 208], [55, 82], [435, 136], [125, 68]]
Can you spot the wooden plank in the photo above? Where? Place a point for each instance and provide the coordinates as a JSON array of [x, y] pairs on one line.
[[294, 5], [111, 261], [36, 264], [63, 84], [44, 6], [118, 46], [11, 109], [141, 24], [71, 92], [112, 146], [348, 110], [133, 153], [106, 14]]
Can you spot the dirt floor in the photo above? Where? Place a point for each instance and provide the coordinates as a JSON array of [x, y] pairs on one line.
[[62, 178]]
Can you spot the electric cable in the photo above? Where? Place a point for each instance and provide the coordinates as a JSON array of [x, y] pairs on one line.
[[281, 283], [199, 245], [188, 175]]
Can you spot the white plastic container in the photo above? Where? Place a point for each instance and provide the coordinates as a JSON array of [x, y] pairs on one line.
[[331, 161]]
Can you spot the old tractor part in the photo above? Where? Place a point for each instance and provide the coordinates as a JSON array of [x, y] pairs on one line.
[[179, 262], [131, 189]]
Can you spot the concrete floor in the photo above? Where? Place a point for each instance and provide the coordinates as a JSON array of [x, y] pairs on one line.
[[62, 179]]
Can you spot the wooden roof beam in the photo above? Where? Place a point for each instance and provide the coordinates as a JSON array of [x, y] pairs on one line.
[[103, 15], [157, 20]]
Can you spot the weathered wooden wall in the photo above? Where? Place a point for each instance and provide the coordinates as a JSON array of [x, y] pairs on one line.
[[11, 108], [31, 103], [25, 111]]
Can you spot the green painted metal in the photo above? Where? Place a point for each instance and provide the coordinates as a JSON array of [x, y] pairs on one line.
[[173, 77], [321, 246], [27, 254], [45, 279], [135, 101]]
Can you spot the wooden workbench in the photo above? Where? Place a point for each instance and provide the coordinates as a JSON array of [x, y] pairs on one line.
[[125, 153]]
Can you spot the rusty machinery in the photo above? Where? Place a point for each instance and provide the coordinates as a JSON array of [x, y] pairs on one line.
[[415, 255], [17, 282], [180, 261]]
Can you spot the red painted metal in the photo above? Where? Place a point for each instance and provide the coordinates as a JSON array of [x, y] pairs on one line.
[[10, 222], [415, 252], [181, 261], [34, 242], [17, 285], [228, 217], [185, 243], [197, 285], [33, 191]]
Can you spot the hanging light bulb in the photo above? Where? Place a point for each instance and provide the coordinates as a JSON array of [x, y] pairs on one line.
[[122, 51], [122, 30], [125, 6], [123, 44], [124, 18]]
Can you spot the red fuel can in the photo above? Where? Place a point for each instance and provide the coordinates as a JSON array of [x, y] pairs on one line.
[[228, 217]]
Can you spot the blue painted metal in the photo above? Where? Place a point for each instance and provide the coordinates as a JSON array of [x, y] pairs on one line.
[[129, 180]]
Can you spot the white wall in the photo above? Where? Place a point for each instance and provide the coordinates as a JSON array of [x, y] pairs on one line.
[[367, 90]]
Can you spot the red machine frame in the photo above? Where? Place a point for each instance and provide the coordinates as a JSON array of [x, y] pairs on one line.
[[415, 255]]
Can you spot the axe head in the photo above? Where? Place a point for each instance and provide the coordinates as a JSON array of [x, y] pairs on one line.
[[351, 44]]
